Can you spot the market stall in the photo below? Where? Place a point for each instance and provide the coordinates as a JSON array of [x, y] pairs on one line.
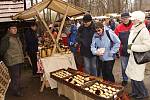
[[55, 61], [57, 5]]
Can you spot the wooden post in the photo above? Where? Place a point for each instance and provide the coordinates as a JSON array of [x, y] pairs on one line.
[[47, 28], [60, 30]]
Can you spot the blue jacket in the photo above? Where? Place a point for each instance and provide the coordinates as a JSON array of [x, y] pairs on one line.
[[72, 39], [104, 42]]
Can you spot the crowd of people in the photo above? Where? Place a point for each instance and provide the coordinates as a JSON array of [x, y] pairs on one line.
[[100, 41], [97, 42]]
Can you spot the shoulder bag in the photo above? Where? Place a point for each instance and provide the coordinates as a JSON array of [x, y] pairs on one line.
[[141, 57]]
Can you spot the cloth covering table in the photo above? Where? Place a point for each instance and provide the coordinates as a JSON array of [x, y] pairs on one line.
[[56, 62], [71, 93]]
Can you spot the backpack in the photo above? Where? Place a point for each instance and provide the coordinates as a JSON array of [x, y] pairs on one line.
[[111, 43]]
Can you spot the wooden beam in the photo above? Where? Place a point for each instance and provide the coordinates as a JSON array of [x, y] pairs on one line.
[[60, 30], [47, 28]]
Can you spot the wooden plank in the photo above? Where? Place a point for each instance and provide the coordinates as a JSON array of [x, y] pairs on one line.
[[6, 8], [11, 10], [10, 3], [7, 14], [11, 6], [60, 30]]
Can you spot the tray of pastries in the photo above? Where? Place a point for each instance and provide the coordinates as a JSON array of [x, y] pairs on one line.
[[102, 90], [80, 79], [60, 74]]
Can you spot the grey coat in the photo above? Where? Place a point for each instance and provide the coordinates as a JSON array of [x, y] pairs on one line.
[[12, 50]]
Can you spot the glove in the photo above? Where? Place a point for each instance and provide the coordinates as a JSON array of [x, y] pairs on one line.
[[129, 46]]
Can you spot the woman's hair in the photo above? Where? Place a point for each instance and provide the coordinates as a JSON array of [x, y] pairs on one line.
[[99, 25]]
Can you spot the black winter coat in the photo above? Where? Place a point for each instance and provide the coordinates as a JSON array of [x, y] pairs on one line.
[[85, 35]]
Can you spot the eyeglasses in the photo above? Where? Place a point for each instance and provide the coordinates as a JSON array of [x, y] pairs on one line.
[[98, 30]]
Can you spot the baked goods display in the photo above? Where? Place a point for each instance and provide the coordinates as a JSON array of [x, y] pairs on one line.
[[65, 49], [46, 51], [79, 80], [102, 90], [86, 84], [61, 74]]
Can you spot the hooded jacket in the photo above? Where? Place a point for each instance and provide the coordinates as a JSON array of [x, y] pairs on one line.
[[72, 39]]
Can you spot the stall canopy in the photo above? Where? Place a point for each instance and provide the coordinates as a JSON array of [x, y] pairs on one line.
[[56, 5]]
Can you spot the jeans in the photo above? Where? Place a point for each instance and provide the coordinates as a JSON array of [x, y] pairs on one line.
[[90, 65], [107, 70], [124, 63], [138, 88]]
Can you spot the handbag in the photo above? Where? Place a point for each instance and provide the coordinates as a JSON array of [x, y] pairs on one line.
[[141, 57]]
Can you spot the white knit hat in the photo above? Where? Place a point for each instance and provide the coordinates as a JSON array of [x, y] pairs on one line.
[[138, 15]]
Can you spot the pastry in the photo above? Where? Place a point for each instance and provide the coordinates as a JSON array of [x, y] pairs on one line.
[[104, 86], [107, 94], [67, 80], [78, 84], [96, 83], [113, 89], [87, 89], [117, 90], [94, 89], [91, 90], [87, 79], [114, 93], [110, 92], [109, 87], [105, 90], [110, 95], [101, 85], [98, 87]]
